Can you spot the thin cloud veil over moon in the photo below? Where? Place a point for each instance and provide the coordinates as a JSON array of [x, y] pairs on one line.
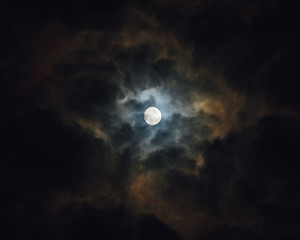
[[150, 120]]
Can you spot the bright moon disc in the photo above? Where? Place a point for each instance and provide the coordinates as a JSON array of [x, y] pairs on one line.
[[152, 116]]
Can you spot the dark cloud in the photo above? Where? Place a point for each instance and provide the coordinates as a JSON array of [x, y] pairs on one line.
[[173, 157], [150, 228], [77, 158]]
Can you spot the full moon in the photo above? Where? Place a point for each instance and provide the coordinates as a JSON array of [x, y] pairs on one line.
[[152, 116]]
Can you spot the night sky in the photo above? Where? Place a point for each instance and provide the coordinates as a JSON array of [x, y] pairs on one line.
[[77, 159]]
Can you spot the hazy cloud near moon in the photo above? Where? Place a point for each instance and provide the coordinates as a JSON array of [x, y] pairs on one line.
[[146, 78], [222, 163]]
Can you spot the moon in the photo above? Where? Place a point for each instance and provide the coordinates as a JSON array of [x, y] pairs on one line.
[[152, 116]]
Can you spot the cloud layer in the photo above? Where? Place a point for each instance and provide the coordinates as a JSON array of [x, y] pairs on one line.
[[79, 161]]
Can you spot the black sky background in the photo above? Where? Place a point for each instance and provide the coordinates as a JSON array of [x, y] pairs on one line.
[[79, 162]]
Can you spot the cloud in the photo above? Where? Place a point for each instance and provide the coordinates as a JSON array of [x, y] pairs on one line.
[[79, 159]]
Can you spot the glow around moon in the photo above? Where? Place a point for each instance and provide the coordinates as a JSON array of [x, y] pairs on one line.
[[152, 116]]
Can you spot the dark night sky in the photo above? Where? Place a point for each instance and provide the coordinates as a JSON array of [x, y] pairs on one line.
[[78, 160]]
